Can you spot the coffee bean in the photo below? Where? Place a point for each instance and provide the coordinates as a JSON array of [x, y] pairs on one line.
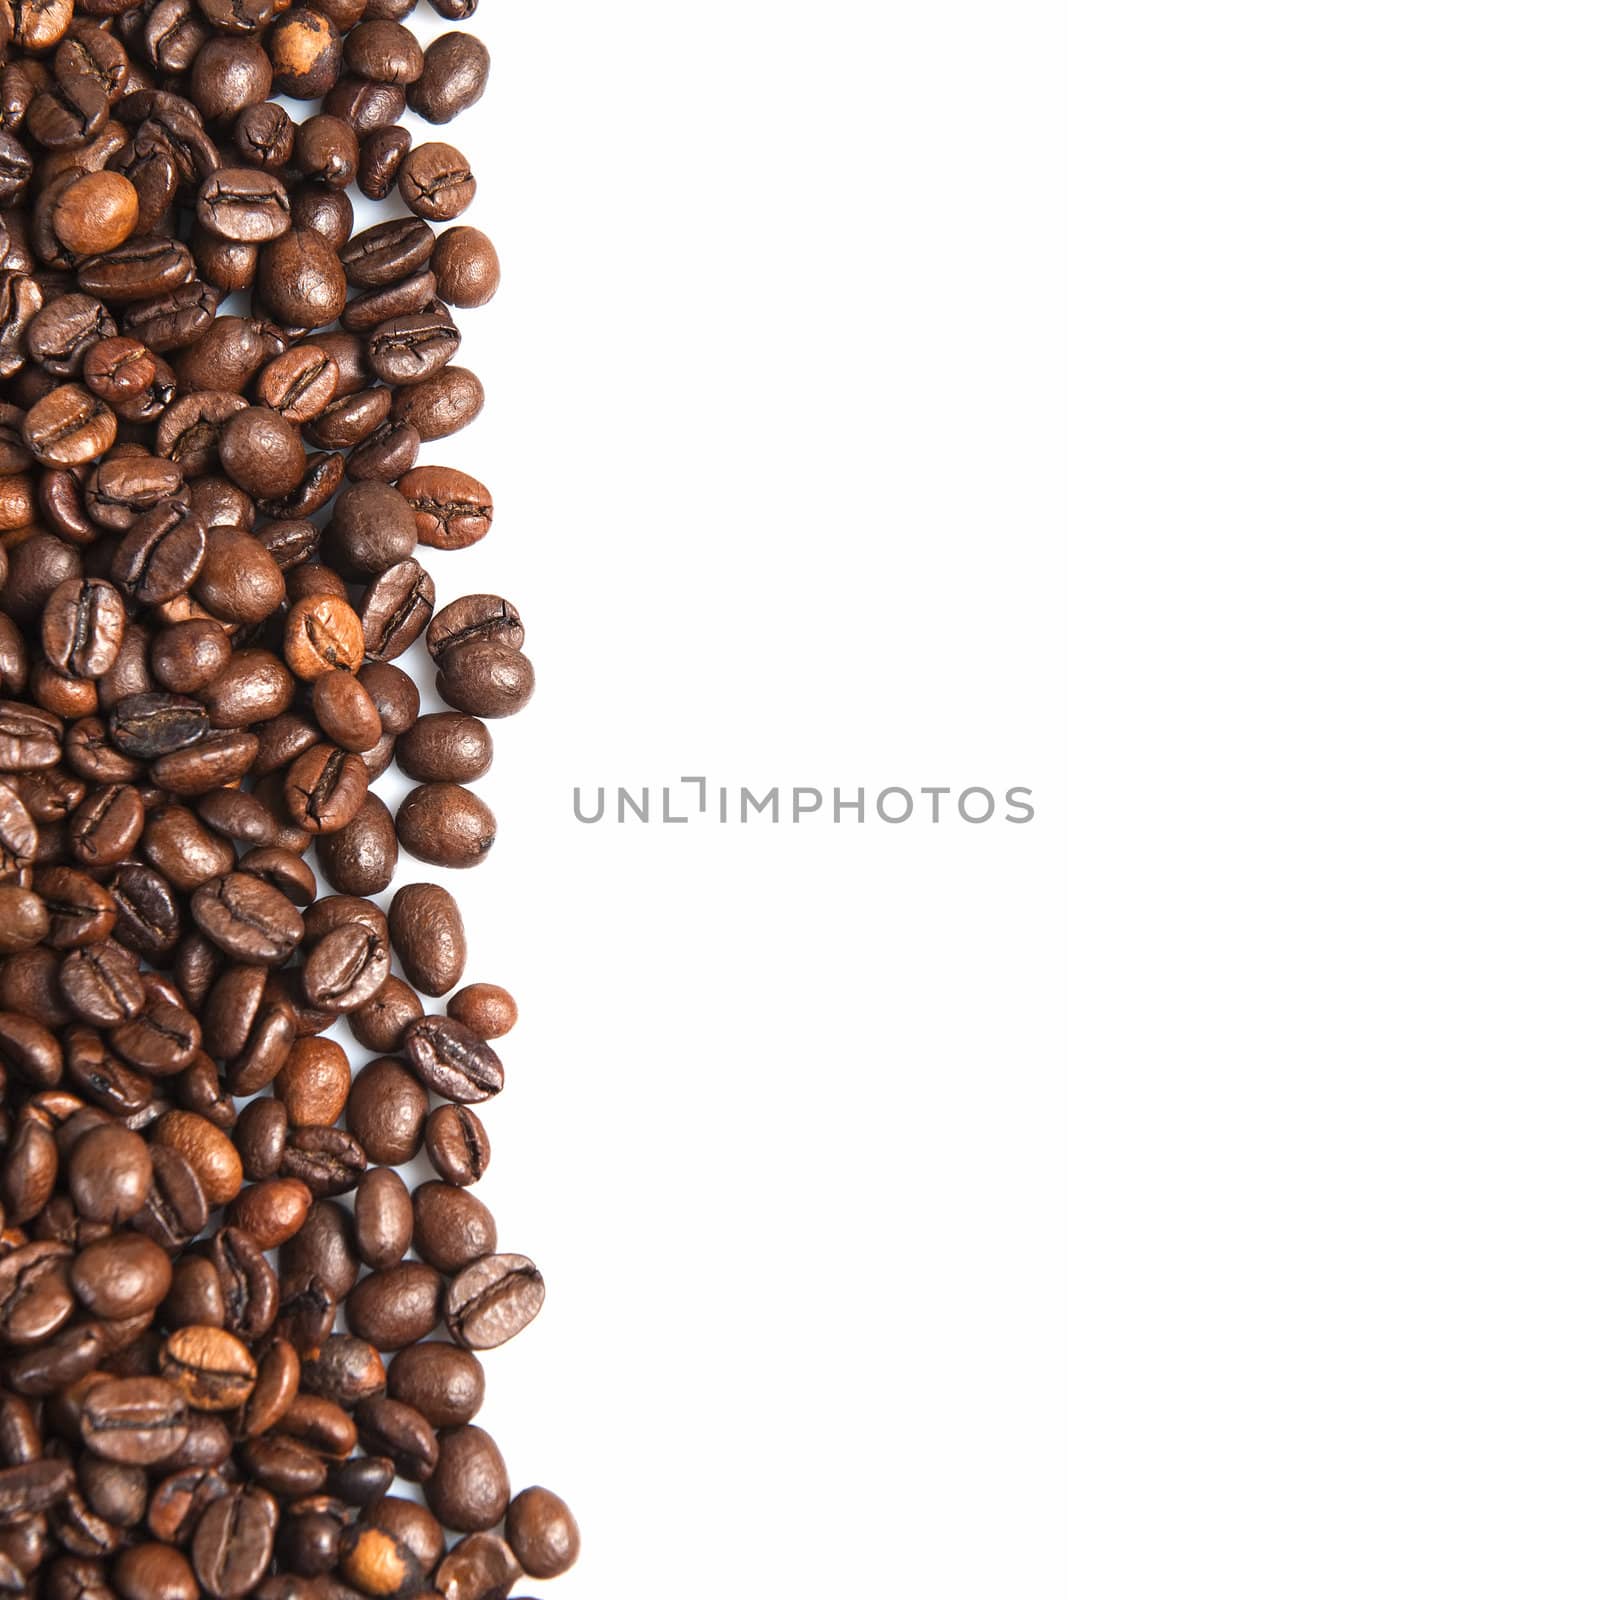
[[542, 1534], [212, 1368], [457, 1144], [469, 1488], [429, 937], [452, 1227], [383, 1218], [493, 1300], [453, 1061], [451, 508], [446, 747], [446, 824], [233, 1543], [138, 1421], [481, 1567], [397, 1306], [466, 266], [486, 679], [455, 72]]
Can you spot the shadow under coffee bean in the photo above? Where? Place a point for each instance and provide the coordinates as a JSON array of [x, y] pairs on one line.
[[213, 528]]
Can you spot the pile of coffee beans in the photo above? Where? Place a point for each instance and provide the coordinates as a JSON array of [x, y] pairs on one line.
[[231, 1335]]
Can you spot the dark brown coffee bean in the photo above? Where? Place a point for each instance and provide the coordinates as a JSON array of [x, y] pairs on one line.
[[446, 824], [455, 71], [469, 1488], [440, 405], [154, 1572], [300, 280], [300, 384], [382, 154], [429, 936], [138, 1421], [233, 1543], [383, 1218], [436, 182], [493, 1300], [466, 266], [457, 1144], [392, 1429], [381, 1023], [388, 252], [480, 1567], [328, 1161], [247, 205], [324, 788], [175, 1208], [361, 857], [542, 1533], [446, 747], [397, 1306], [452, 1227], [101, 984], [36, 1297], [488, 680], [453, 1061], [248, 919], [451, 508], [110, 1174], [121, 1276]]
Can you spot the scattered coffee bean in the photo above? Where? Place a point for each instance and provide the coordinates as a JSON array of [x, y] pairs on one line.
[[211, 532]]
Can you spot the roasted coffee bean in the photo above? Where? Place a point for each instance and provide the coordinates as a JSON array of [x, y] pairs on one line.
[[486, 679], [101, 984], [466, 266], [270, 1212], [300, 279], [247, 205], [446, 824], [381, 1025], [398, 1305], [197, 683], [446, 747], [207, 1151], [383, 152], [388, 252], [233, 1542], [486, 1008], [154, 1572], [455, 72], [248, 918], [398, 606], [429, 937], [457, 1144], [212, 1368], [480, 1567], [328, 1161], [452, 1227], [469, 1488], [300, 384], [542, 1533], [175, 1207], [137, 1421], [238, 580], [493, 1300], [453, 1061], [378, 1564], [451, 508], [110, 1174], [436, 182]]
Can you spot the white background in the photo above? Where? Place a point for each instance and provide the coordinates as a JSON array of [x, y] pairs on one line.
[[776, 409], [1335, 339]]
